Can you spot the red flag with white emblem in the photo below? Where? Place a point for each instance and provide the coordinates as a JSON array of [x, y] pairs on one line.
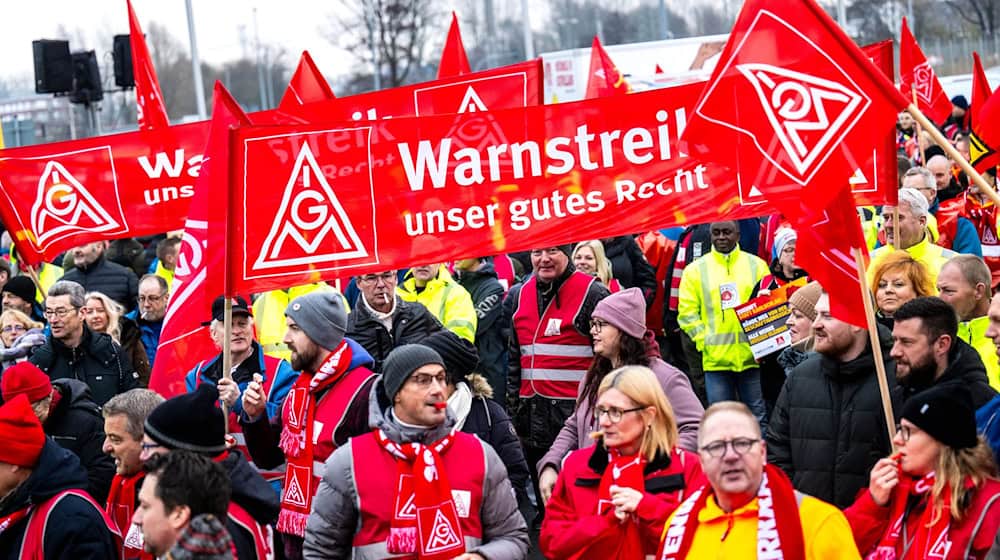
[[151, 112], [454, 60], [185, 340], [306, 86], [917, 79], [604, 79]]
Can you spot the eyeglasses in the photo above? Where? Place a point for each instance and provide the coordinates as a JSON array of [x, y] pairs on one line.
[[151, 299], [386, 277], [904, 431], [61, 313], [739, 445], [596, 325], [424, 380], [614, 414], [551, 251], [150, 446], [14, 328]]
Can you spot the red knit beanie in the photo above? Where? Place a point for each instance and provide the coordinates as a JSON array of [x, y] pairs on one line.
[[23, 437], [25, 378]]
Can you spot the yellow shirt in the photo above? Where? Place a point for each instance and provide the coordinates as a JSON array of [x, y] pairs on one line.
[[974, 334], [825, 532]]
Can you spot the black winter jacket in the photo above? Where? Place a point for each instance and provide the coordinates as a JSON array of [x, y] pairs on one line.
[[76, 424], [252, 493], [538, 419], [828, 428], [109, 278], [629, 265], [98, 361], [411, 323], [75, 528], [965, 366], [491, 337]]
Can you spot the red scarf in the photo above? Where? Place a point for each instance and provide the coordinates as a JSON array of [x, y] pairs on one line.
[[121, 506], [8, 521], [297, 439], [424, 513], [627, 471], [929, 541], [779, 529]]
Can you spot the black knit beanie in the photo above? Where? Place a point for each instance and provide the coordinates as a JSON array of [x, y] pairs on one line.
[[402, 362], [946, 412], [191, 421]]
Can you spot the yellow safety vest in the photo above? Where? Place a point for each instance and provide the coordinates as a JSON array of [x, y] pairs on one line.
[[446, 299], [932, 256], [974, 334]]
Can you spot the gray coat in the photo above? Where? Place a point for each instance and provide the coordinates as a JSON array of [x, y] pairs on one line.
[[334, 519]]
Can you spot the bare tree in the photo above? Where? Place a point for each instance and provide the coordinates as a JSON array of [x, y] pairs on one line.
[[983, 14]]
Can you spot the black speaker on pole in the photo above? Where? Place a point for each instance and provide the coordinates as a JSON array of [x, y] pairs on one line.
[[53, 66], [122, 54], [86, 78]]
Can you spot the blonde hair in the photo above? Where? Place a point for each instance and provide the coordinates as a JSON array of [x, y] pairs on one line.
[[20, 317], [600, 257], [954, 467], [114, 311], [640, 384]]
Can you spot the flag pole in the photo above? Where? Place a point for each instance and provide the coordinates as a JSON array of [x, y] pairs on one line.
[[227, 359], [923, 154], [949, 149], [883, 383], [33, 274]]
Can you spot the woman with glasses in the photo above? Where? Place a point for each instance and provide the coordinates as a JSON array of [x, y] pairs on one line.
[[105, 315], [20, 335], [620, 338], [783, 269], [611, 500], [938, 496]]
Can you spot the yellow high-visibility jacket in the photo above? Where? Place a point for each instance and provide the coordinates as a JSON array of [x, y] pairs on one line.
[[974, 334], [446, 299], [932, 256]]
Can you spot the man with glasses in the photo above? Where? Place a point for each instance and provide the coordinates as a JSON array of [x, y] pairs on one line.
[[382, 320], [828, 427], [748, 505], [415, 486], [946, 220], [154, 293], [73, 350]]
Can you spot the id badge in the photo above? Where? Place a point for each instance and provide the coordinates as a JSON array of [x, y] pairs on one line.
[[729, 295]]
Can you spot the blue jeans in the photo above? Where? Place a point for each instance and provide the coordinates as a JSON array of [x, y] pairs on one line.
[[726, 385]]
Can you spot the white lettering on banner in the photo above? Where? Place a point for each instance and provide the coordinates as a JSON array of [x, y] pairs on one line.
[[307, 216], [63, 206], [172, 167], [563, 154]]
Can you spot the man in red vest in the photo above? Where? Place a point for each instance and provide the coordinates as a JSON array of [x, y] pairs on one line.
[[45, 511], [124, 415], [415, 485], [327, 405], [550, 348]]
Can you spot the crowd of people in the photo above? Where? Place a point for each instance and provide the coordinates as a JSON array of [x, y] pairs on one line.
[[595, 400]]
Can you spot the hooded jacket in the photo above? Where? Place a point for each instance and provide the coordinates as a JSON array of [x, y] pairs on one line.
[[75, 423], [111, 279], [75, 528], [98, 361], [828, 428], [335, 518], [965, 367], [254, 494], [491, 334]]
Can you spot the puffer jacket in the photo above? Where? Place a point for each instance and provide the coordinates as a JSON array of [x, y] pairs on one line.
[[965, 367], [828, 428], [98, 361], [75, 423], [334, 519], [491, 335], [411, 323], [110, 278], [630, 267]]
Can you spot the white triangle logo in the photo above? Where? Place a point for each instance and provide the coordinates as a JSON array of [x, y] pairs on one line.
[[409, 509], [443, 535], [858, 178], [809, 115], [989, 238], [923, 81], [133, 539], [754, 191], [471, 102], [312, 217], [64, 204], [293, 493]]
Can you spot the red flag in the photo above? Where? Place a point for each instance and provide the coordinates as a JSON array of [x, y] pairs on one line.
[[917, 77], [306, 86], [197, 281], [604, 79], [152, 114], [985, 137], [881, 55], [981, 90], [805, 102], [454, 61]]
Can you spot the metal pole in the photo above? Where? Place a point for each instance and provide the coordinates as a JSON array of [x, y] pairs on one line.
[[371, 19], [260, 65], [72, 119], [529, 48], [664, 22], [909, 12], [841, 14], [199, 84]]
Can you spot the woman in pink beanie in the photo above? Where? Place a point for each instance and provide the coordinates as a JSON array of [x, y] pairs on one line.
[[618, 329]]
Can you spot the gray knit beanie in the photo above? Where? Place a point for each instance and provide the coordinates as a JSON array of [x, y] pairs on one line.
[[402, 362], [321, 315]]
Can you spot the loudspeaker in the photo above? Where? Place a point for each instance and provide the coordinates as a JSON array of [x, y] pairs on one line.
[[86, 78], [122, 54], [53, 66]]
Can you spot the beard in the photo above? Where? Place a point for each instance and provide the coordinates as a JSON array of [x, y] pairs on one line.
[[304, 359], [920, 375]]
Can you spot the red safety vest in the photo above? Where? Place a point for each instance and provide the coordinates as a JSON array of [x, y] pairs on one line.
[[947, 216], [121, 505], [236, 430], [984, 218], [375, 477], [554, 355], [263, 535], [33, 545]]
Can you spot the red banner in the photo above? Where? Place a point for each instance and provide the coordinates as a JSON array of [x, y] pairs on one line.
[[60, 195], [354, 202], [881, 56]]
